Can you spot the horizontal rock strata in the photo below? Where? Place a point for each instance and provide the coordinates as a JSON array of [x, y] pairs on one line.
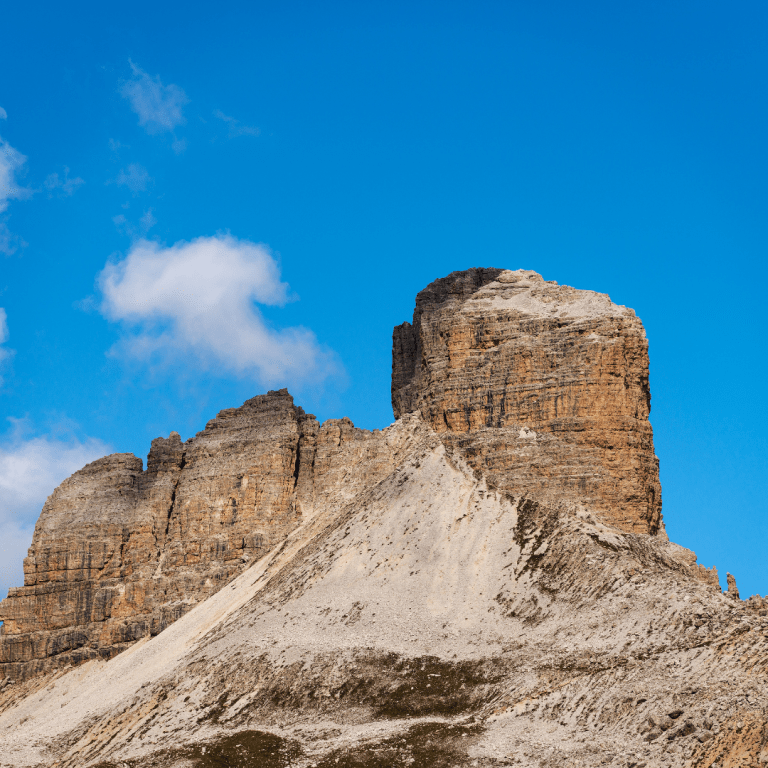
[[473, 586], [120, 552], [543, 388], [427, 621]]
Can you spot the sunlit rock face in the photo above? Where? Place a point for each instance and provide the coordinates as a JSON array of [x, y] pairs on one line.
[[543, 388], [473, 586], [120, 552]]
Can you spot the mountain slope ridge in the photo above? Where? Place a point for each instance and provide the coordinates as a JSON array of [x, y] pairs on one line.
[[333, 627], [486, 582]]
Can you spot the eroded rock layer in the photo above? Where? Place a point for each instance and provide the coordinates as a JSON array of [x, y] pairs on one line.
[[426, 620], [543, 388], [120, 552], [473, 586]]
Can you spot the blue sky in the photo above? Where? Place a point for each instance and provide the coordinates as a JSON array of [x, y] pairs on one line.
[[197, 205]]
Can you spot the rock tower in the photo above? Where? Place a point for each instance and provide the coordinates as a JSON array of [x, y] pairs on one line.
[[542, 387]]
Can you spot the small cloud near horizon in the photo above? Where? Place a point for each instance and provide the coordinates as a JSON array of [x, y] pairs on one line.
[[31, 467]]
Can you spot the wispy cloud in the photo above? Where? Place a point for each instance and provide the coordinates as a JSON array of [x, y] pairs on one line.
[[134, 231], [64, 186], [31, 466], [135, 177], [159, 107], [9, 242], [195, 303], [3, 114], [234, 126], [5, 352], [12, 164]]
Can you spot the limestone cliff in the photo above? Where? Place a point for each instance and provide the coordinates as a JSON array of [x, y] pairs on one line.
[[120, 552], [543, 388], [478, 585], [425, 621]]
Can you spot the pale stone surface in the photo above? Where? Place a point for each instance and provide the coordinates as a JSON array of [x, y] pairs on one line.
[[428, 609], [404, 604], [119, 553], [543, 388]]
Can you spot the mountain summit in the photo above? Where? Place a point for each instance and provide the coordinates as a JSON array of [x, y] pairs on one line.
[[485, 582]]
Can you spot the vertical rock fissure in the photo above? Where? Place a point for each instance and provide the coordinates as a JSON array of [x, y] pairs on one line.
[[173, 495], [297, 463]]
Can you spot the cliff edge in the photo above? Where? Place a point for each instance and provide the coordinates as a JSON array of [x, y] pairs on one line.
[[483, 584], [544, 389]]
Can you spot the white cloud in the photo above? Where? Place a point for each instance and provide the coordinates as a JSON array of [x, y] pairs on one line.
[[11, 165], [3, 114], [3, 333], [158, 106], [5, 352], [136, 178], [195, 302], [8, 241], [235, 127], [30, 468], [146, 222], [66, 186]]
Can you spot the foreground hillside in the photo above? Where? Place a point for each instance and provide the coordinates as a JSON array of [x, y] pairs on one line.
[[457, 589]]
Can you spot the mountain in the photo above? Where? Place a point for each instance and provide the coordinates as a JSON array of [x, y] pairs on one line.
[[485, 582]]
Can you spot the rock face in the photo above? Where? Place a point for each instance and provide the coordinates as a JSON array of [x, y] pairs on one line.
[[477, 585], [425, 620], [120, 552], [543, 388]]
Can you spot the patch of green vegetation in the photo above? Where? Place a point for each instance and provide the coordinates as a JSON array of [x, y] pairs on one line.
[[428, 745], [431, 686], [245, 749]]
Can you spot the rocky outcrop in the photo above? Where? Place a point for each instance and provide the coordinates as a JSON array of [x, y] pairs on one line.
[[733, 590], [427, 620], [120, 552], [542, 388], [472, 586]]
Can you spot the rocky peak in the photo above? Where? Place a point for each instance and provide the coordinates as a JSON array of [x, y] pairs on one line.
[[120, 552], [544, 388], [166, 454], [472, 586]]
